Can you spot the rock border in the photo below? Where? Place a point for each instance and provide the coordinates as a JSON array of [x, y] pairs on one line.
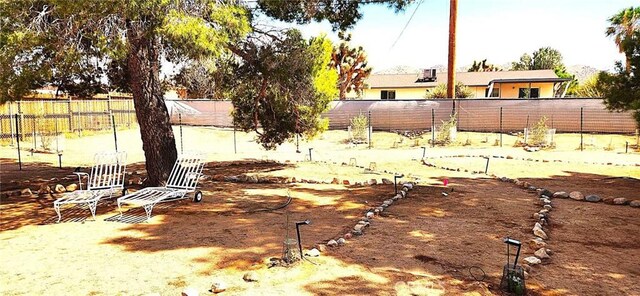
[[531, 159]]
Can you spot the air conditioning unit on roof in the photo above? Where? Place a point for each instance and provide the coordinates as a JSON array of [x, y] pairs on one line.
[[427, 75]]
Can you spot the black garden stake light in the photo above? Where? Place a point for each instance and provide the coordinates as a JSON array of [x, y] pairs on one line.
[[486, 168], [310, 160], [305, 222], [424, 151], [395, 181]]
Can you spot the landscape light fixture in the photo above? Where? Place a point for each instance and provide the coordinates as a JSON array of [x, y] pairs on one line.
[[59, 159], [513, 275], [395, 181], [305, 222], [486, 168], [310, 160], [424, 151]]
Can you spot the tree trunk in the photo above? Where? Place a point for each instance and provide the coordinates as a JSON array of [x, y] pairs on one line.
[[158, 141]]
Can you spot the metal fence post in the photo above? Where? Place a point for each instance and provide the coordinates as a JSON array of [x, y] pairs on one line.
[[581, 126], [33, 126], [115, 134], [70, 114], [433, 128], [500, 126], [18, 140], [181, 138], [369, 128], [11, 130], [235, 148]]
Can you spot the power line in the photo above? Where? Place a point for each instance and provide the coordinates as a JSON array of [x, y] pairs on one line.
[[406, 25]]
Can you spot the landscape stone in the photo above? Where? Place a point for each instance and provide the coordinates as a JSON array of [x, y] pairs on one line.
[[635, 203], [386, 181], [608, 200], [537, 226], [620, 201], [332, 243], [190, 291], [370, 215], [593, 198], [218, 286], [408, 186], [537, 243], [548, 207], [536, 216], [380, 209], [561, 194], [532, 260], [250, 276], [347, 235], [321, 247], [25, 191], [341, 241], [576, 195], [403, 193], [313, 253], [545, 192], [59, 188], [72, 187], [359, 228], [335, 181], [44, 189], [541, 253], [540, 233], [345, 182], [373, 182], [388, 202], [546, 201]]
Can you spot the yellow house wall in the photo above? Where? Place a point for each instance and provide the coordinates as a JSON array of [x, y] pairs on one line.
[[507, 90]]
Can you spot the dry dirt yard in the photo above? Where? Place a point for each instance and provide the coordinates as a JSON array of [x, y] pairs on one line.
[[424, 244]]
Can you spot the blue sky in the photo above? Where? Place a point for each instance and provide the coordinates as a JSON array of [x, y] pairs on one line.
[[498, 30]]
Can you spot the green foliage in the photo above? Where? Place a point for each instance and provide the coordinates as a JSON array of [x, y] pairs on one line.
[[444, 136], [482, 66], [538, 134], [589, 88], [624, 28], [341, 14], [359, 125], [351, 65], [621, 90], [440, 91], [284, 89], [543, 58]]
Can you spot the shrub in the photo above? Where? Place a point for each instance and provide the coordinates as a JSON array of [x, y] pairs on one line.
[[359, 125], [444, 136], [440, 91], [538, 133]]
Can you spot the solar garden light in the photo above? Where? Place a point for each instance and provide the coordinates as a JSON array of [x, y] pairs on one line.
[[513, 275], [424, 151], [310, 154], [305, 222], [395, 181]]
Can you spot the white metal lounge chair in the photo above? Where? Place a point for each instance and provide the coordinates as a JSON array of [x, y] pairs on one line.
[[105, 179], [183, 179]]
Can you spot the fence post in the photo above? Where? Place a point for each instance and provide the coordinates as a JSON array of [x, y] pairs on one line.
[[235, 148], [500, 126], [181, 139], [581, 126], [115, 134], [11, 122], [433, 127], [18, 140], [369, 129], [70, 114], [33, 126]]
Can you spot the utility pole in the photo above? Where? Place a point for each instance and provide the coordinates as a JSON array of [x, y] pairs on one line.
[[451, 67]]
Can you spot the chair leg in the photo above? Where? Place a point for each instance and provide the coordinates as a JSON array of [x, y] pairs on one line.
[[119, 209], [56, 207], [92, 207], [148, 208]]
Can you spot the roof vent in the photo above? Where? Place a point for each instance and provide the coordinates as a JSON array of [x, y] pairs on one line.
[[427, 75]]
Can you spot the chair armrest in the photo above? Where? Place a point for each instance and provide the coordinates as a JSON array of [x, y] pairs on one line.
[[80, 174]]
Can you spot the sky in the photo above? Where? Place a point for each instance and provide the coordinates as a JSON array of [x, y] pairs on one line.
[[497, 30]]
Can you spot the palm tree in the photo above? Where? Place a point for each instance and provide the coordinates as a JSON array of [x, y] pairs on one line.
[[625, 26]]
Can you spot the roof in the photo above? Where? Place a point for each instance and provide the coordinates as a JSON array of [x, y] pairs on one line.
[[467, 78]]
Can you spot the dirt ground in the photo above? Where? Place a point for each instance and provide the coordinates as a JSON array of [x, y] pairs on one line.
[[423, 245]]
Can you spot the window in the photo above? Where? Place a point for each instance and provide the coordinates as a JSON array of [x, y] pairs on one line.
[[523, 93], [495, 93], [388, 95]]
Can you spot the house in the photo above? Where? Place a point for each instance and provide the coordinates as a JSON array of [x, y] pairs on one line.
[[500, 84]]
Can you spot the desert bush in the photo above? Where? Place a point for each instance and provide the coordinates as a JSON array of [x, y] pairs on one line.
[[538, 133], [359, 125], [444, 136]]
